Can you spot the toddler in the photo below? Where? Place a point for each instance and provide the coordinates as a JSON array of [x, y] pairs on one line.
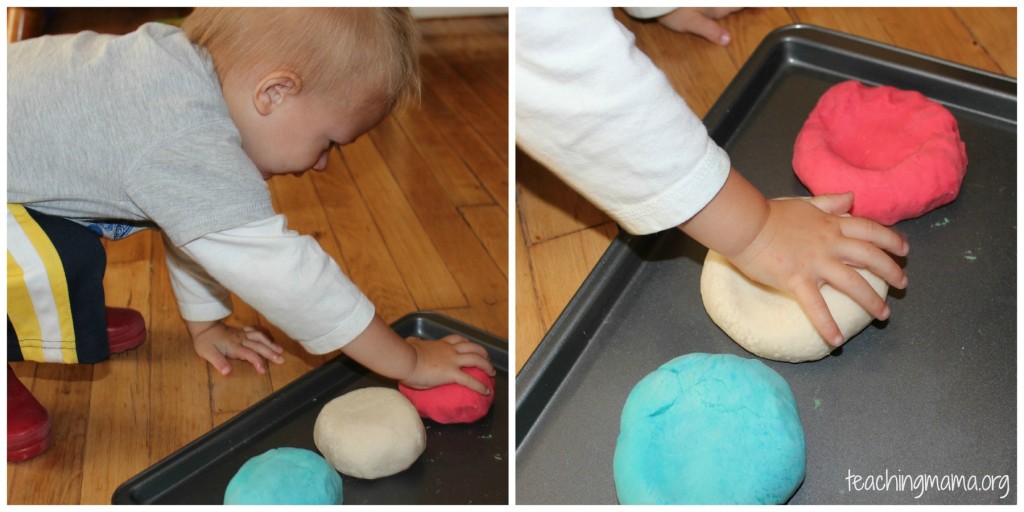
[[177, 129]]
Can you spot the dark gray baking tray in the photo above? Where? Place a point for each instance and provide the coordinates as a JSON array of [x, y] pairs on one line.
[[462, 463], [931, 392]]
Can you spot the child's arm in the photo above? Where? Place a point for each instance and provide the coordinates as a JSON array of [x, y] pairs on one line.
[[418, 363], [797, 245], [299, 288], [203, 302]]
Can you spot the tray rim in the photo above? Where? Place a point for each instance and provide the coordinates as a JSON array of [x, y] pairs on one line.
[[125, 493], [617, 266], [937, 69]]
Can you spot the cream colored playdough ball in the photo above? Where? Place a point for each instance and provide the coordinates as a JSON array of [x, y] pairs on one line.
[[771, 324], [370, 433]]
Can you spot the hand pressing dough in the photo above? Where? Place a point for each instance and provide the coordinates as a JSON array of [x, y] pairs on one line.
[[709, 429], [771, 324], [370, 433], [897, 151], [285, 476], [452, 403]]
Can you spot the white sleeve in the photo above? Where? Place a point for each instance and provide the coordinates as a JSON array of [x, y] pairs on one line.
[[595, 110], [289, 279], [200, 297]]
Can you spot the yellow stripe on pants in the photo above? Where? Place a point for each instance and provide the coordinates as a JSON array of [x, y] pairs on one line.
[[35, 277]]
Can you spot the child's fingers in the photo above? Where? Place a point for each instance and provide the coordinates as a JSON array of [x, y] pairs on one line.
[[467, 380], [834, 204], [264, 351], [871, 231], [477, 361], [468, 347], [255, 334], [259, 335], [455, 339], [696, 22], [866, 255], [479, 357], [809, 296], [848, 281], [244, 352], [216, 359], [259, 341]]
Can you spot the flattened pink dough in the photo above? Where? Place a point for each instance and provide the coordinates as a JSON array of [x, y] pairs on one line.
[[452, 403], [897, 151]]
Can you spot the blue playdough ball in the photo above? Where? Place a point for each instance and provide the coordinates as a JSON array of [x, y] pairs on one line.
[[709, 429], [285, 476]]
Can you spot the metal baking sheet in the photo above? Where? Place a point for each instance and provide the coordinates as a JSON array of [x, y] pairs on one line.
[[907, 408], [462, 464]]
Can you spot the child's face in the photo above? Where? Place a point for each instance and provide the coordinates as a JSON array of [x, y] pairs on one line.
[[298, 136]]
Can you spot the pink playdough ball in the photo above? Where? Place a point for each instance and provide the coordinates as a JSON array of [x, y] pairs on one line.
[[899, 152], [452, 403]]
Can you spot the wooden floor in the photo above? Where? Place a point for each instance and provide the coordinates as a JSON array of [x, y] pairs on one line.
[[559, 237], [416, 213]]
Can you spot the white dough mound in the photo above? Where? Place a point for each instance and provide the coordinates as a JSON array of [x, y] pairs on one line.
[[370, 433], [771, 324]]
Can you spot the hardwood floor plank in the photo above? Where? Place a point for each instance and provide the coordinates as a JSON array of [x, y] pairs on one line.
[[478, 52], [529, 326], [296, 198], [461, 186], [550, 208], [697, 73], [120, 406], [561, 265], [478, 277], [994, 30], [181, 389], [414, 252], [956, 43], [370, 264], [482, 117], [490, 225], [488, 168]]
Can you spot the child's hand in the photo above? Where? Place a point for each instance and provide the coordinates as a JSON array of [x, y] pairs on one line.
[[216, 342], [441, 362], [700, 21], [417, 363], [804, 243]]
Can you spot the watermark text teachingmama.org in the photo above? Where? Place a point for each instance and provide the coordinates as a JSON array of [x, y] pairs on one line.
[[920, 484]]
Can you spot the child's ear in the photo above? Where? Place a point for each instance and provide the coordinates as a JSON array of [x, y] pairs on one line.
[[274, 88]]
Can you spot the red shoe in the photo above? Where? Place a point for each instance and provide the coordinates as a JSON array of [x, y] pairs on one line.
[[125, 329], [28, 424]]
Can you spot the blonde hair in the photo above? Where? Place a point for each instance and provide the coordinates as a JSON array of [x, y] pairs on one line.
[[330, 48]]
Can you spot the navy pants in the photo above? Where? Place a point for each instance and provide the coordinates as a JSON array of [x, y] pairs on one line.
[[55, 303]]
